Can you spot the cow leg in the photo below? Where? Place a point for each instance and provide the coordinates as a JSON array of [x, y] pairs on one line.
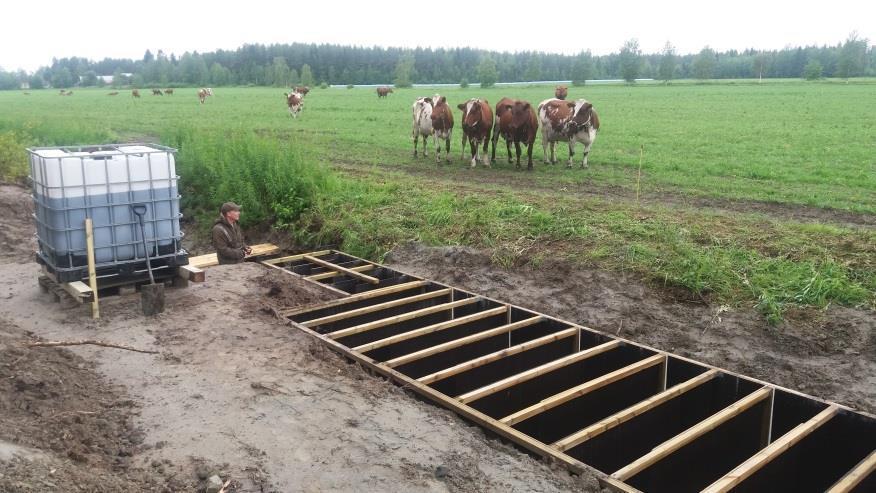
[[495, 141], [447, 143], [553, 150], [437, 149], [544, 145], [529, 155], [508, 148], [474, 151], [462, 151], [486, 159], [416, 142], [516, 148]]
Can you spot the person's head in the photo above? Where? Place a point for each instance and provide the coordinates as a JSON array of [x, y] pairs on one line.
[[230, 211]]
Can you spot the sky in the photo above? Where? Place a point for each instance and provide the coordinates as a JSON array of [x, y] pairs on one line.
[[33, 32]]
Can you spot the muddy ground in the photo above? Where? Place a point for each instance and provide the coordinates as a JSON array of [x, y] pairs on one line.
[[233, 392], [236, 393]]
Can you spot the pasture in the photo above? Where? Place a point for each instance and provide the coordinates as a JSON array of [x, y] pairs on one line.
[[737, 193]]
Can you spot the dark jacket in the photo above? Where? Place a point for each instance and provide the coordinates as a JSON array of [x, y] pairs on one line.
[[228, 241]]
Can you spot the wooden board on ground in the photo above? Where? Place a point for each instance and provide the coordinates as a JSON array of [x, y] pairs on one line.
[[210, 259]]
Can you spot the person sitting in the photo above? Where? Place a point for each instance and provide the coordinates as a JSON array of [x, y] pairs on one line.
[[227, 236]]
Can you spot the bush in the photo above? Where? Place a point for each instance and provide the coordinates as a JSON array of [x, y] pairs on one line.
[[323, 85], [13, 158], [349, 86], [463, 83]]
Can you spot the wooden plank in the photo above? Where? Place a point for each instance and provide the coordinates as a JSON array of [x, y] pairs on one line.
[[582, 389], [92, 273], [631, 412], [292, 258], [666, 448], [401, 360], [210, 259], [376, 308], [766, 455], [321, 285], [327, 275], [349, 272], [401, 318], [495, 356], [374, 293], [80, 291], [854, 477], [521, 377], [192, 273], [430, 329]]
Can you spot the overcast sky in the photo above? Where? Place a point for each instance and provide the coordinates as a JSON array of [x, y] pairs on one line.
[[32, 31]]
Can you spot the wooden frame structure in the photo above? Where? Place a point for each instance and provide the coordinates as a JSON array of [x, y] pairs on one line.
[[641, 419]]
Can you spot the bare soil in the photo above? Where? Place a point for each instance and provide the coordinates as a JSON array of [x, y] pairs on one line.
[[233, 392]]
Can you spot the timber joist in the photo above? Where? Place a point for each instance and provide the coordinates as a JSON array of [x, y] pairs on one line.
[[644, 420]]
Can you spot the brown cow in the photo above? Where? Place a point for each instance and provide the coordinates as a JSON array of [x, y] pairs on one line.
[[135, 93], [157, 92], [515, 122], [302, 90], [169, 92], [382, 91], [477, 123], [561, 92], [294, 102], [442, 127], [63, 92], [203, 93], [567, 121]]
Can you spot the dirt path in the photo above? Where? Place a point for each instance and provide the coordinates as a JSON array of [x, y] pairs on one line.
[[233, 392]]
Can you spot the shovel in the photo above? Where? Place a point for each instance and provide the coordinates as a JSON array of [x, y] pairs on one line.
[[151, 295]]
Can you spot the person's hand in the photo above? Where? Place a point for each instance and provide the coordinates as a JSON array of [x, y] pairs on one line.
[[247, 250]]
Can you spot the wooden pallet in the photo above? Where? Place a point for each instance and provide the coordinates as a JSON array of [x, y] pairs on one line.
[[68, 294]]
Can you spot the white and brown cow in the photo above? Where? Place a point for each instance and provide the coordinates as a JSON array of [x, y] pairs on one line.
[[569, 121], [422, 124], [477, 125], [203, 93], [295, 102], [442, 126], [515, 122]]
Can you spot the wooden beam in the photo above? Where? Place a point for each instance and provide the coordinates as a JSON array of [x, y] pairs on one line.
[[401, 360], [344, 270], [854, 477], [92, 273], [401, 318], [365, 295], [292, 258], [582, 389], [631, 412], [192, 273], [326, 275], [80, 291], [376, 308], [766, 455], [210, 259], [666, 448], [430, 329], [527, 375], [321, 285], [495, 356]]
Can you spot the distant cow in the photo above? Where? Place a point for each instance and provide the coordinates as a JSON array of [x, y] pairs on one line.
[[295, 102], [302, 90], [157, 92], [69, 93], [135, 93], [203, 93], [442, 127], [383, 91], [422, 124], [570, 121], [169, 92], [114, 93], [515, 122], [561, 92], [63, 92], [477, 124]]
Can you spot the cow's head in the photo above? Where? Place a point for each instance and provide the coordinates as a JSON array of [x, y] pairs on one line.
[[561, 92], [582, 116], [521, 113], [472, 111], [423, 108]]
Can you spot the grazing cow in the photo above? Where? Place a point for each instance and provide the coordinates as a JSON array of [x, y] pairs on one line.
[[477, 123], [294, 102], [442, 126], [135, 93], [422, 125], [157, 92], [69, 93], [63, 92], [515, 122], [570, 121], [382, 91], [114, 93], [203, 93], [302, 90], [561, 92], [169, 92]]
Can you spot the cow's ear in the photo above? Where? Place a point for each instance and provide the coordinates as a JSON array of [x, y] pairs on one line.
[[442, 100], [526, 106], [428, 100], [508, 107], [461, 106], [486, 102]]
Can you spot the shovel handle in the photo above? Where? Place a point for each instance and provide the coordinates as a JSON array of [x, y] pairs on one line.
[[139, 209]]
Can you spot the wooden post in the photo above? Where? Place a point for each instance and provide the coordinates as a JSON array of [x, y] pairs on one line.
[[92, 274]]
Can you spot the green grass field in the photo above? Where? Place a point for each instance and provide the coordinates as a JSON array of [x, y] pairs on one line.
[[724, 170]]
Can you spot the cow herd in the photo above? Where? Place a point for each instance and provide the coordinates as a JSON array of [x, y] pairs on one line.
[[516, 121]]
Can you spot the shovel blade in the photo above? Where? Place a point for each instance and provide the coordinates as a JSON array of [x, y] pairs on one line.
[[152, 299]]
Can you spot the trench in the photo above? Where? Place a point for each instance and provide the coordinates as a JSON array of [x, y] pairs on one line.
[[644, 419]]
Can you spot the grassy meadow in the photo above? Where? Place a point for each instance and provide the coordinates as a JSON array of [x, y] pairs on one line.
[[691, 186]]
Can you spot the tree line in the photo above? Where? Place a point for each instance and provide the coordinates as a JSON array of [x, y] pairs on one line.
[[284, 65]]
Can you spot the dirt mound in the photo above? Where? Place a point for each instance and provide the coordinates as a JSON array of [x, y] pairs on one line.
[[827, 353], [17, 237]]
